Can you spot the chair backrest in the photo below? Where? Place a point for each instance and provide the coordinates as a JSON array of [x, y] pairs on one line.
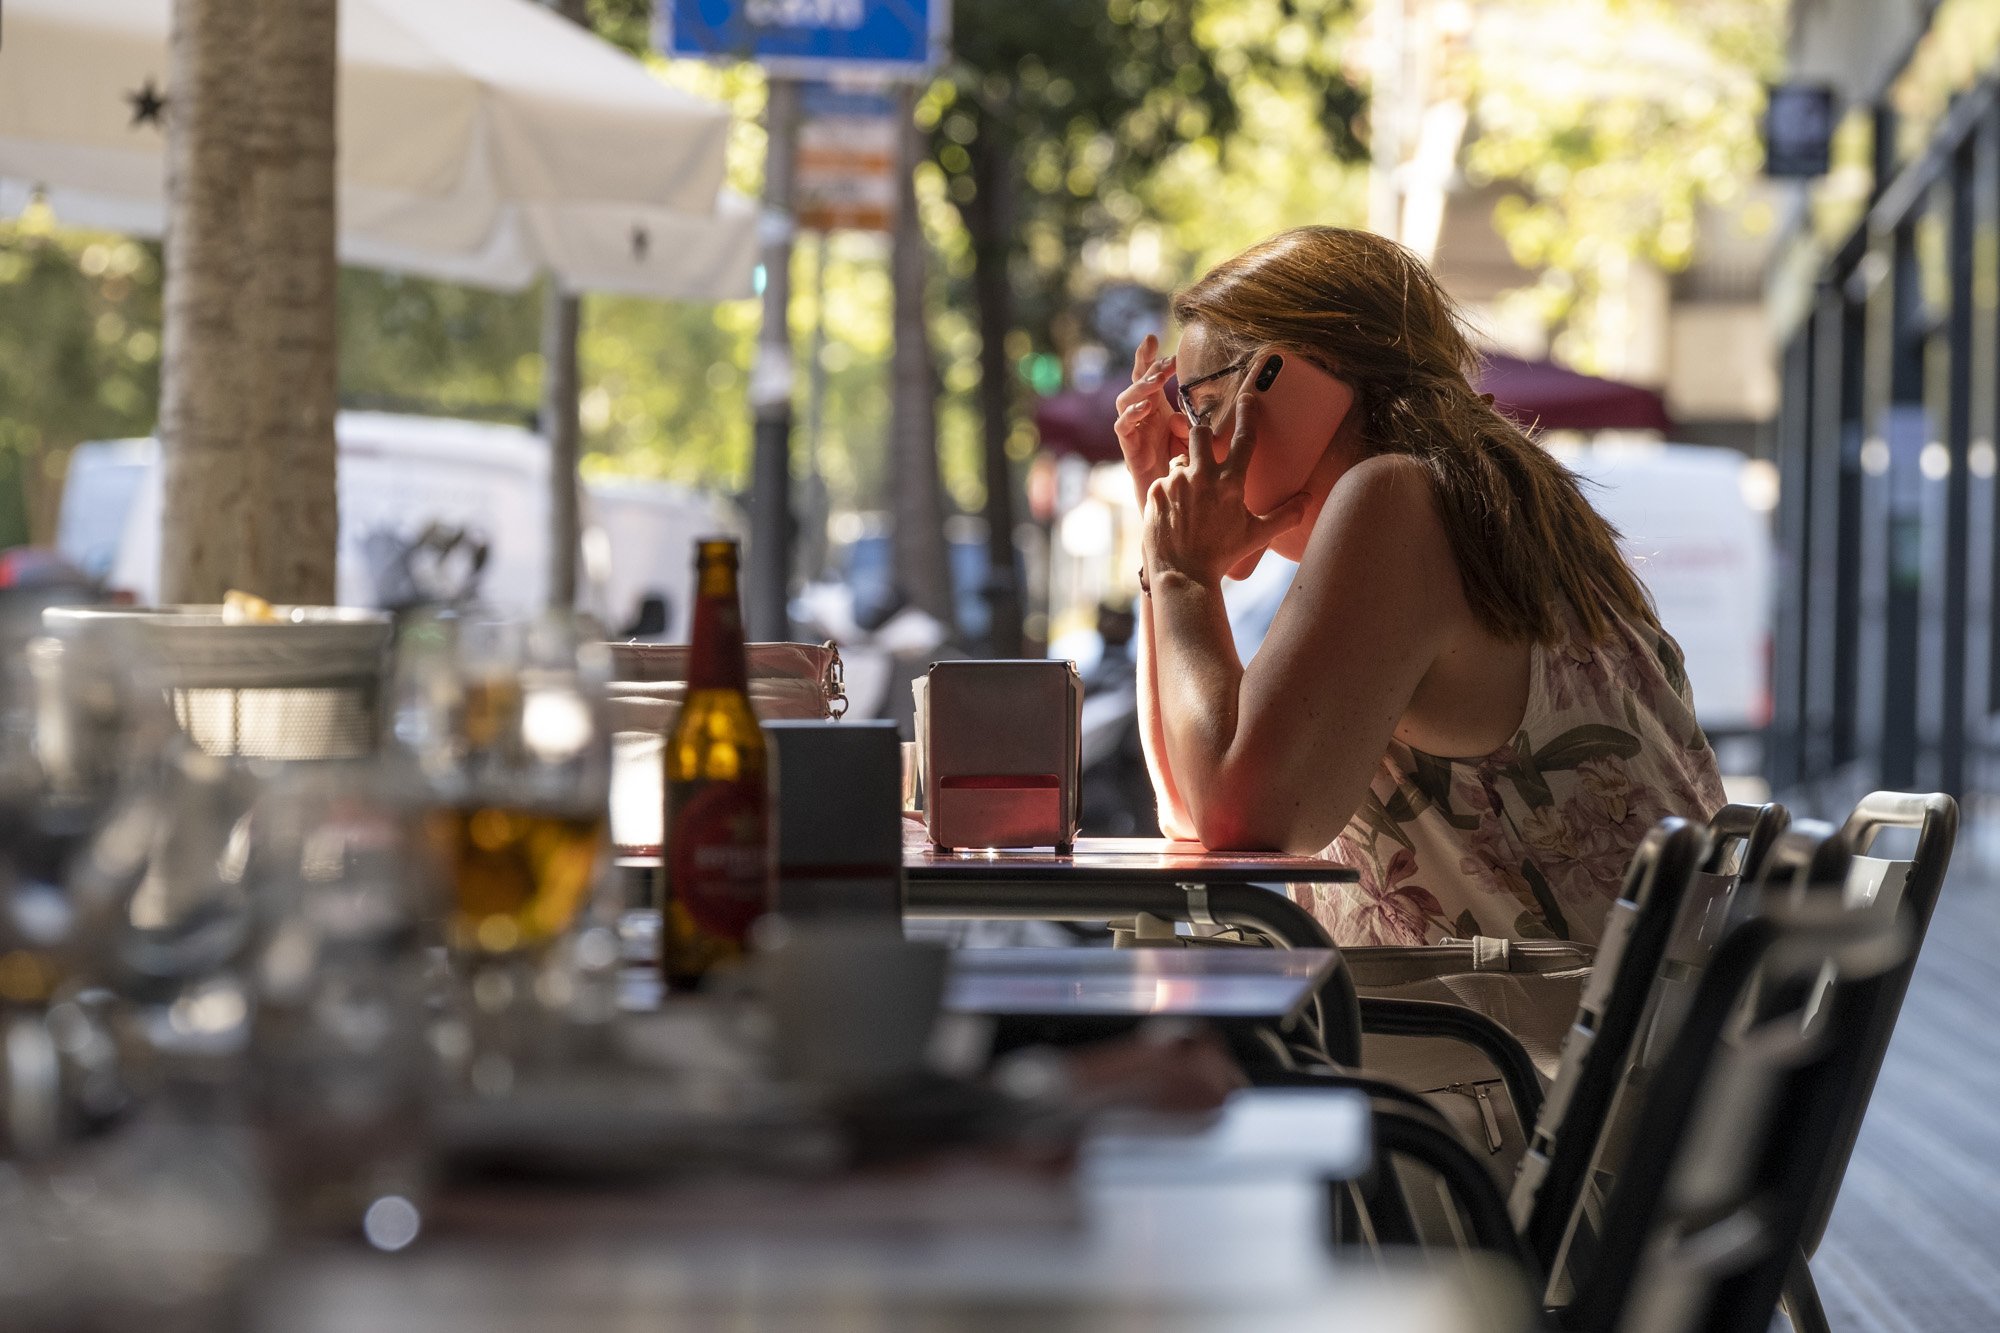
[[1752, 1097], [1740, 838], [1552, 1172], [1910, 888], [1740, 841]]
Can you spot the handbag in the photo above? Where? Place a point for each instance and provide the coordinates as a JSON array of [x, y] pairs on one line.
[[799, 681], [1533, 988]]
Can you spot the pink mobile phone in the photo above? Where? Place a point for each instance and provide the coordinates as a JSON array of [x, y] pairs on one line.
[[1303, 407]]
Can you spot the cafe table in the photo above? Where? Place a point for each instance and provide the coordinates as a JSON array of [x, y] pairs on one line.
[[1213, 1224], [1121, 879]]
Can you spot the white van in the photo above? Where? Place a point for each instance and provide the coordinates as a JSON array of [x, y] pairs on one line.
[[1696, 527], [399, 474]]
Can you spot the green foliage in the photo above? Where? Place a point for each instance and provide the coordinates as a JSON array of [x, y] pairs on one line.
[[407, 344], [1153, 115], [1616, 124], [79, 357]]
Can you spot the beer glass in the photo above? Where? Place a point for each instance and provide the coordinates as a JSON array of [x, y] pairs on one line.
[[504, 721]]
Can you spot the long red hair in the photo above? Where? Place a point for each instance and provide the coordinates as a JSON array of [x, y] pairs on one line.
[[1529, 547]]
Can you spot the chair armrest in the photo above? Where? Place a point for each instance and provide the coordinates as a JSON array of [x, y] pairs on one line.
[[1455, 1022], [1471, 1185]]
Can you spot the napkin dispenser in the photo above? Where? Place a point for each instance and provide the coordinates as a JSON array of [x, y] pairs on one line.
[[840, 825], [1000, 745]]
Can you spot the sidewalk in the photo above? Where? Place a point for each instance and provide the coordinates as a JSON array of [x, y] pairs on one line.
[[1911, 1248]]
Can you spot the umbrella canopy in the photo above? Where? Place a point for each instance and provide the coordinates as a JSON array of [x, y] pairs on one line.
[[479, 140], [1540, 393], [1534, 393], [1081, 422]]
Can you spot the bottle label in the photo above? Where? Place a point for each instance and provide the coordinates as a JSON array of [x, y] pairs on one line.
[[718, 856]]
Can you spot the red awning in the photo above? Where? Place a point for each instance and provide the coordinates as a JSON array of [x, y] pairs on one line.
[[1080, 422], [1540, 393], [1534, 393]]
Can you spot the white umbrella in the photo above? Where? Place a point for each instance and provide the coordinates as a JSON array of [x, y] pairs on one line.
[[588, 247], [479, 140]]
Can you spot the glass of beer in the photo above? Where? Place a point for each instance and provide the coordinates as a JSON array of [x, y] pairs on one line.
[[504, 719]]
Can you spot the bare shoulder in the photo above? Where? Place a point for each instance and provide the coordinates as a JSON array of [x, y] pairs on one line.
[[1384, 503], [1397, 483]]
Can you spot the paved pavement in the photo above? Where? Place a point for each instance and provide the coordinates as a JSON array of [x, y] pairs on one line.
[[1914, 1245]]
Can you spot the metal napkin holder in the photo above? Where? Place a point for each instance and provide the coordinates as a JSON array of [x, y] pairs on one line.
[[1000, 745]]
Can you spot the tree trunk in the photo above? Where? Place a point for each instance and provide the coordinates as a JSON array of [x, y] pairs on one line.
[[206, 370], [249, 380], [989, 219], [294, 300], [562, 320], [917, 544]]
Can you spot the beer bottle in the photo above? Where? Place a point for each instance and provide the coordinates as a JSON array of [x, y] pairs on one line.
[[718, 854]]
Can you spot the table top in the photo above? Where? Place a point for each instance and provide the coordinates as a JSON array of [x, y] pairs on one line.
[[1217, 1229], [1187, 983], [1116, 861]]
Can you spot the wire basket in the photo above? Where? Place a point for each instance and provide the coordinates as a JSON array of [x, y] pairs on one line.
[[308, 685]]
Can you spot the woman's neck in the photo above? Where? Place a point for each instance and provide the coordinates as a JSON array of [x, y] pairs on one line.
[[1346, 449]]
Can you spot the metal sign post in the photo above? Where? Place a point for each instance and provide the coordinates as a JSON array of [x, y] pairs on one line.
[[793, 40], [768, 577]]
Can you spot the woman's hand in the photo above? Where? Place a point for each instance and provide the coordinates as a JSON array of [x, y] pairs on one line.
[[1197, 525], [1150, 432]]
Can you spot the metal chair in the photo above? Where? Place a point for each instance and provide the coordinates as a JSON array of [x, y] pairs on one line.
[[1910, 888], [1801, 866], [1701, 1233], [308, 685], [1754, 1098], [1565, 1213], [1551, 1176], [1739, 836]]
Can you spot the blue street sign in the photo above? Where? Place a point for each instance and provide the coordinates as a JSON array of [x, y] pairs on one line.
[[810, 38]]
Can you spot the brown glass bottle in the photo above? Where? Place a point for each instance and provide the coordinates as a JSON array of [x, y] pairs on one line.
[[718, 854]]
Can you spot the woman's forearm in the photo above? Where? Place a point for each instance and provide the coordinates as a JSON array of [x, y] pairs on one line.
[[1175, 822], [1198, 679]]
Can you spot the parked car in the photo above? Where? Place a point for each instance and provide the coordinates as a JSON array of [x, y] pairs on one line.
[[438, 488]]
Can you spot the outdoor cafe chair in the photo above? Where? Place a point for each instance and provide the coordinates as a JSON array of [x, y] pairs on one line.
[[1910, 888], [1753, 1099], [1651, 960], [1565, 1123], [1738, 835]]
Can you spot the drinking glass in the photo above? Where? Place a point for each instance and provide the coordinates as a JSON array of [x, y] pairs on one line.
[[78, 731], [342, 1035], [503, 721]]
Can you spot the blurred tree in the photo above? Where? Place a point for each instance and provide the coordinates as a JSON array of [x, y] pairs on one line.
[[1615, 133], [1048, 121], [79, 358], [410, 344]]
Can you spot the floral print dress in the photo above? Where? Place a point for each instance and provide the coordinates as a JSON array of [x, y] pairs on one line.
[[1530, 841]]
